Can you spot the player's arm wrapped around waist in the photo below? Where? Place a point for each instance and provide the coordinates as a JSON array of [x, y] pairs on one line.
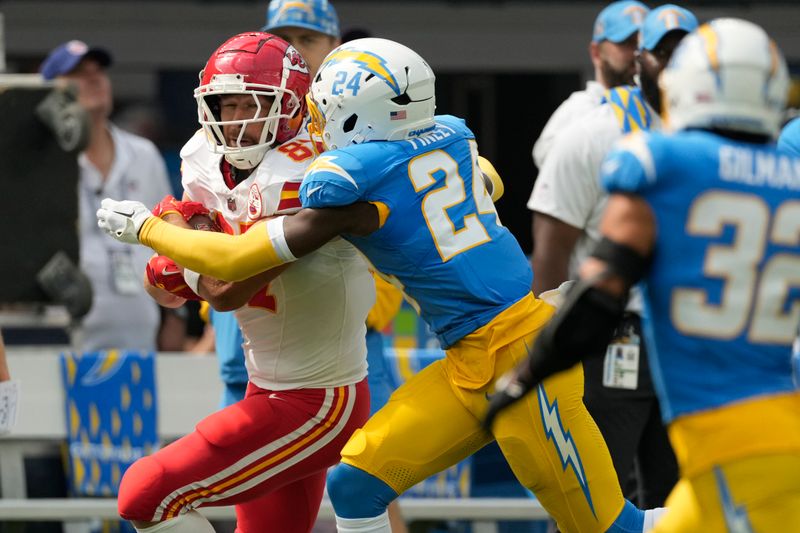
[[278, 241]]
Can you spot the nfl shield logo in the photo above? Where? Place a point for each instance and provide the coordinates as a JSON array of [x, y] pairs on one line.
[[231, 204]]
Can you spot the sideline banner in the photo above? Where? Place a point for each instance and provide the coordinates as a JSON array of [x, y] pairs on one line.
[[111, 417]]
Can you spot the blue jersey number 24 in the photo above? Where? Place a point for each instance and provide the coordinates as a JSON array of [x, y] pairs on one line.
[[449, 240], [341, 83]]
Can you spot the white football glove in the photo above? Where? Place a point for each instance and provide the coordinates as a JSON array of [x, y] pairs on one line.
[[122, 220]]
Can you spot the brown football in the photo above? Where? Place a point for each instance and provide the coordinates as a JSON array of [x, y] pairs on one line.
[[203, 223]]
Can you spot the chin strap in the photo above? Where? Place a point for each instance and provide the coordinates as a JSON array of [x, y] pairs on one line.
[[248, 158]]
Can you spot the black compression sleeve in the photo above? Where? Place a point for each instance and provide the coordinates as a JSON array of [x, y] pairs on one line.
[[622, 260], [582, 328]]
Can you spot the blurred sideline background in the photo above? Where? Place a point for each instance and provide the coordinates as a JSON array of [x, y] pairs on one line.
[[504, 66]]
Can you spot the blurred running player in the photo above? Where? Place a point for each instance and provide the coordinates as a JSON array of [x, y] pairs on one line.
[[567, 203], [708, 217]]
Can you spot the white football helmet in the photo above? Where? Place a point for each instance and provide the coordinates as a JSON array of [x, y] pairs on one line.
[[728, 74], [371, 90]]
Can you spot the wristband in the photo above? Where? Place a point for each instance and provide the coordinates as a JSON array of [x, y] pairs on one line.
[[278, 239], [192, 280]]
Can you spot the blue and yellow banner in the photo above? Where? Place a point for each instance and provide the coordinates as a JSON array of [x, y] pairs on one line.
[[111, 417]]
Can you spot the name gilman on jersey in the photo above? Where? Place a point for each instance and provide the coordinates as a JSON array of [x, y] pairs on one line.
[[743, 165]]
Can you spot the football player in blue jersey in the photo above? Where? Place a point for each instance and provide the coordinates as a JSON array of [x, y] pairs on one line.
[[405, 187], [709, 218]]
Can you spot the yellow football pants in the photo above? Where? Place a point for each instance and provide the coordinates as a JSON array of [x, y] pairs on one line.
[[756, 494], [550, 441]]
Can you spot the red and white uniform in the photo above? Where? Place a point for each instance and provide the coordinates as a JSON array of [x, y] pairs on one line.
[[306, 359], [307, 329]]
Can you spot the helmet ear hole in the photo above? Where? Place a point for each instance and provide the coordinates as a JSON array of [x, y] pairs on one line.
[[403, 99], [350, 123]]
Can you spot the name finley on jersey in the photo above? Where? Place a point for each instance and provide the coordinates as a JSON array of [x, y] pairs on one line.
[[759, 168], [441, 132]]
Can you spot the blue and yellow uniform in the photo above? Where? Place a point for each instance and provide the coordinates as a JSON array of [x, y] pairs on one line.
[[440, 239], [720, 321], [442, 246]]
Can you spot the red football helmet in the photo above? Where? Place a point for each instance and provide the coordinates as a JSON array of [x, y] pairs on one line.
[[258, 64]]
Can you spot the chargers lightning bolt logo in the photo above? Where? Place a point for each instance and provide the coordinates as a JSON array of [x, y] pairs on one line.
[[325, 163], [567, 452], [104, 368], [286, 6], [368, 61], [735, 515]]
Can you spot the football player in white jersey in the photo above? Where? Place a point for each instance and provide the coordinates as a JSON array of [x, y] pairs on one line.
[[304, 330]]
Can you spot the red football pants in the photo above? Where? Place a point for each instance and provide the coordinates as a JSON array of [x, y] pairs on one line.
[[267, 454]]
